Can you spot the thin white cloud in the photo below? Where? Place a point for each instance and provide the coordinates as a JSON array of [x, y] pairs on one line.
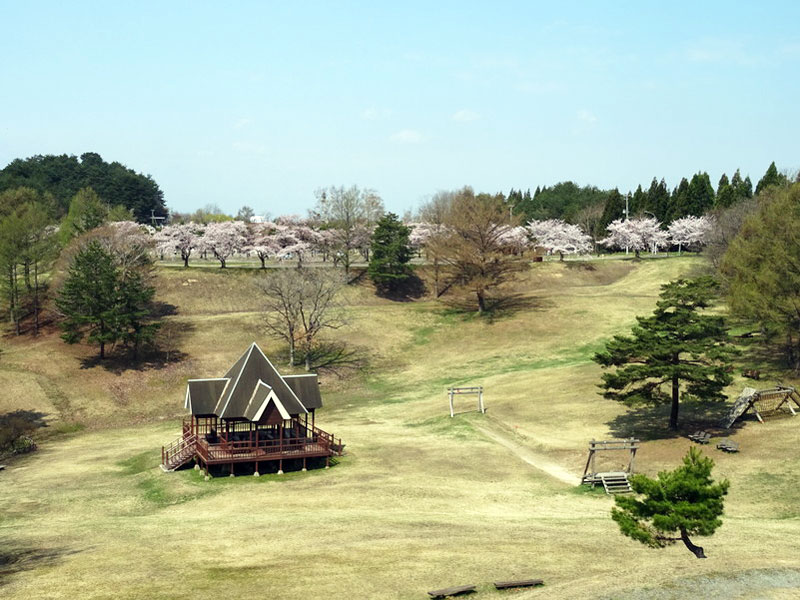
[[719, 50], [406, 136], [586, 116], [242, 123], [375, 114], [249, 147], [464, 115]]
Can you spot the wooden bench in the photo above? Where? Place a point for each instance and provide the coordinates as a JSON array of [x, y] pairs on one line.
[[728, 445], [701, 437], [452, 591], [504, 585]]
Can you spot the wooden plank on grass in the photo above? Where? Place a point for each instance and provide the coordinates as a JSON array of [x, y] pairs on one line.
[[504, 585], [452, 591]]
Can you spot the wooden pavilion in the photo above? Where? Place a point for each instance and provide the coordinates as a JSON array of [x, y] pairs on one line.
[[252, 414]]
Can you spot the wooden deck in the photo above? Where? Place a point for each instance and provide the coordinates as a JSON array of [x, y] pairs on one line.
[[300, 442]]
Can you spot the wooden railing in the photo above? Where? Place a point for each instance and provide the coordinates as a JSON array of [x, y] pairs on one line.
[[178, 449]]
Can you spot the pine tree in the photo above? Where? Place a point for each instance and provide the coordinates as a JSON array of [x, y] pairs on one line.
[[770, 178], [685, 501], [726, 193], [658, 199], [613, 210], [679, 203], [388, 267], [675, 347], [701, 195], [88, 298], [638, 202]]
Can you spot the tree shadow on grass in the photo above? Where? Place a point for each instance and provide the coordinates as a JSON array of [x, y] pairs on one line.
[[652, 422], [161, 354], [411, 289], [497, 307], [16, 560]]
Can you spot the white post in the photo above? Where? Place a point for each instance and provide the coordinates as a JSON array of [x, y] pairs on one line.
[[480, 400], [451, 403]]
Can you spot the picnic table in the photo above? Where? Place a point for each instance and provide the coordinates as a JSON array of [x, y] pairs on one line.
[[701, 437], [728, 445]]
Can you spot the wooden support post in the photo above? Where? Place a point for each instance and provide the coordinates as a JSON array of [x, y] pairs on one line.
[[327, 462], [304, 463], [280, 466], [256, 474], [231, 475], [207, 477]]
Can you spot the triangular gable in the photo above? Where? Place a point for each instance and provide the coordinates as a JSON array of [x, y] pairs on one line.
[[263, 396], [254, 367]]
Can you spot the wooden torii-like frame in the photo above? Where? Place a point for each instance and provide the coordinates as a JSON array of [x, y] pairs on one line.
[[590, 474], [476, 390]]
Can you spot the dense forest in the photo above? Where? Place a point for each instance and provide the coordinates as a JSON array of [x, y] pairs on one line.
[[59, 178]]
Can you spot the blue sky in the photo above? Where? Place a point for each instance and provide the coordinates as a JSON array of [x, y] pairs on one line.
[[262, 103]]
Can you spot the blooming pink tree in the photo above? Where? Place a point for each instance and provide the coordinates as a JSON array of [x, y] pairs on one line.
[[557, 236], [181, 238], [637, 235], [516, 239], [262, 241], [689, 231], [224, 239]]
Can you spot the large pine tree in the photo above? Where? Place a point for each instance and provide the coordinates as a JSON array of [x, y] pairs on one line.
[[388, 267], [677, 348], [771, 178]]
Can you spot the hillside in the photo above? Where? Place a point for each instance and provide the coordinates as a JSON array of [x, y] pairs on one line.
[[421, 501]]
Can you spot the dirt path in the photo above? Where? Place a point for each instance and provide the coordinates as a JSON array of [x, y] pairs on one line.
[[535, 459]]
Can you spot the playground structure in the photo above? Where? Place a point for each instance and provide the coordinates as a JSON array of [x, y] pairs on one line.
[[765, 401], [474, 390], [613, 482]]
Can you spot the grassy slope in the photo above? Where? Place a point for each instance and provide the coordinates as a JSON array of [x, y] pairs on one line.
[[420, 502]]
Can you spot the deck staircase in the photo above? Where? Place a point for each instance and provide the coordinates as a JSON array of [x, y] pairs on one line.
[[179, 452], [615, 482]]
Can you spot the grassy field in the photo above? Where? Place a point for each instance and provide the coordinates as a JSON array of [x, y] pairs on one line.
[[420, 501]]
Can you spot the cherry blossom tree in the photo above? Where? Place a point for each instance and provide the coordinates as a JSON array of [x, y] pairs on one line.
[[224, 239], [516, 239], [557, 236], [181, 238], [643, 233], [690, 231], [262, 241]]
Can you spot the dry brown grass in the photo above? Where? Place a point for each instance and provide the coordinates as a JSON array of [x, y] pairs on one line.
[[421, 501]]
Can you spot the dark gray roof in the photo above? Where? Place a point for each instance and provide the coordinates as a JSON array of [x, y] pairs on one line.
[[262, 397], [252, 368], [202, 395], [306, 388]]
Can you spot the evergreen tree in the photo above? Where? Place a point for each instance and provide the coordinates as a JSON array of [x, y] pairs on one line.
[[614, 209], [726, 193], [105, 301], [679, 203], [685, 501], [388, 267], [658, 198], [676, 346], [88, 298], [701, 195], [638, 202], [770, 178], [86, 211]]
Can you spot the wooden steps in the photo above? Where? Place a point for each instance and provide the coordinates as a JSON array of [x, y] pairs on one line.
[[177, 454], [615, 482]]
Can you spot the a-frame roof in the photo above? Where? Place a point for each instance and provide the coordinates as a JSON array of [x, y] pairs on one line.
[[306, 388], [262, 396], [252, 369], [202, 395]]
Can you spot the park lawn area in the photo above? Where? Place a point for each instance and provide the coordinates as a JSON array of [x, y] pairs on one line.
[[421, 501]]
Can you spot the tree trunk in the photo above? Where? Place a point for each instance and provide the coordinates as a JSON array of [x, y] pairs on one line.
[[186, 261], [102, 349], [637, 253], [263, 261], [673, 414], [481, 303], [35, 298], [696, 550], [561, 256], [291, 352]]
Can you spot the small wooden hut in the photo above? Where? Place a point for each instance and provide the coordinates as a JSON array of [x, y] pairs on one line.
[[252, 414]]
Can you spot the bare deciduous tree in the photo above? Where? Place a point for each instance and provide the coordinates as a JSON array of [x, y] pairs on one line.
[[300, 304]]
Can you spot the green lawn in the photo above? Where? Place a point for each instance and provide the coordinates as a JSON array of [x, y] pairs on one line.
[[421, 501]]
